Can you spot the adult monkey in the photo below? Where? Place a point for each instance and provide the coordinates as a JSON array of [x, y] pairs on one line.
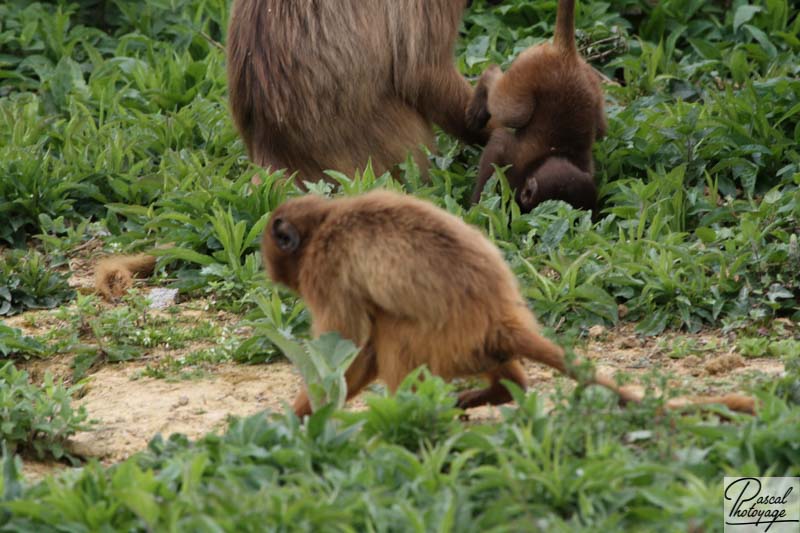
[[317, 85]]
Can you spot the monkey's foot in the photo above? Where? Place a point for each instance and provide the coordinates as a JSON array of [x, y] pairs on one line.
[[494, 395]]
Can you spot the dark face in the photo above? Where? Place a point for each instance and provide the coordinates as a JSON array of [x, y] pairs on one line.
[[288, 231]]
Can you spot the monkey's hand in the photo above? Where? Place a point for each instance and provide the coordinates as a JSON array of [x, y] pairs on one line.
[[478, 108]]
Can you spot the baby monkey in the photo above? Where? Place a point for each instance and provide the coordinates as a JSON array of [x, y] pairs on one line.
[[411, 284], [548, 111]]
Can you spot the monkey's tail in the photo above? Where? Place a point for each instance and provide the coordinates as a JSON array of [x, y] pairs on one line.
[[734, 402], [564, 38], [113, 275], [540, 349]]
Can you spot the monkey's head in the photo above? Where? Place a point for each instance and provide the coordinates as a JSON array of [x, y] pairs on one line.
[[287, 234], [557, 179]]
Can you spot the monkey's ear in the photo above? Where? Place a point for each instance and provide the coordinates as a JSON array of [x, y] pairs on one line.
[[286, 236]]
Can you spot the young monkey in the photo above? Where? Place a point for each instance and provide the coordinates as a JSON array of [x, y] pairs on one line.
[[548, 111], [411, 284]]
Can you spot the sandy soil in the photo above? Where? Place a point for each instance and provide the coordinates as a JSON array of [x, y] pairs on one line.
[[131, 411]]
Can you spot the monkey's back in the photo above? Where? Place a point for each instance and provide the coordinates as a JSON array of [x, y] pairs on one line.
[[320, 85], [568, 97], [421, 274]]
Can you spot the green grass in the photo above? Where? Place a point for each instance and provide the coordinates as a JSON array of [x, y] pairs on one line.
[[94, 334], [36, 419], [114, 125], [28, 282]]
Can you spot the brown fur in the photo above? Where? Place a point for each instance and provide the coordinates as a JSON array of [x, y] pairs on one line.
[[411, 284], [114, 274], [328, 85], [734, 402], [548, 108]]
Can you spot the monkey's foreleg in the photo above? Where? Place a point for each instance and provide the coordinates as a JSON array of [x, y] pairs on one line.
[[302, 405], [444, 98]]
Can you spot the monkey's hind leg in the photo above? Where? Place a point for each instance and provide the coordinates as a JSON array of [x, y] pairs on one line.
[[362, 371], [496, 393]]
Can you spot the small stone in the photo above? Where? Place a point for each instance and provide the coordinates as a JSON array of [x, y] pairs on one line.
[[183, 400], [596, 331], [628, 343], [162, 298], [724, 364], [691, 361]]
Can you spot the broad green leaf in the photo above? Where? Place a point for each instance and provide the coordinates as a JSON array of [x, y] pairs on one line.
[[744, 14]]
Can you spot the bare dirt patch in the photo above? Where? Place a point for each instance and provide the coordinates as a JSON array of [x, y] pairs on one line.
[[81, 265], [715, 368], [34, 471], [34, 323], [131, 410], [713, 365]]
